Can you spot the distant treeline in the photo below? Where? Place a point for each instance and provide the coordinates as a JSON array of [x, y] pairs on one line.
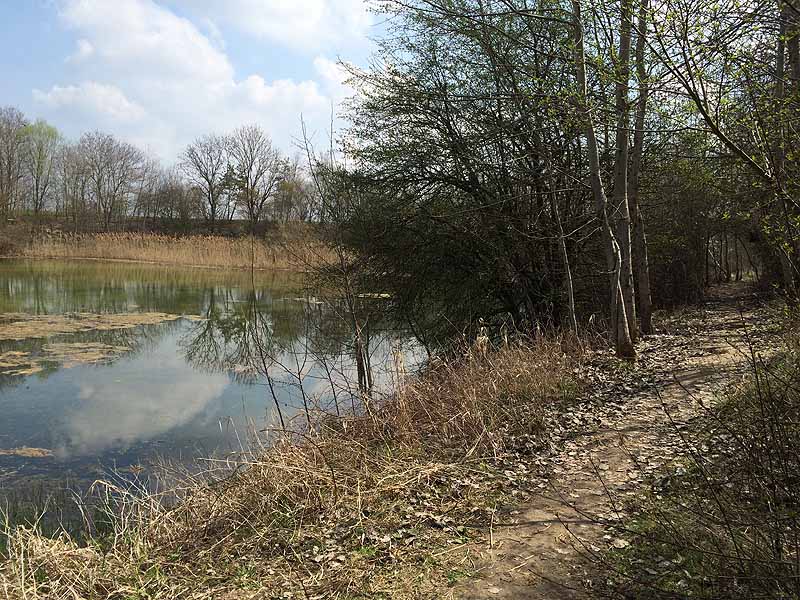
[[100, 181]]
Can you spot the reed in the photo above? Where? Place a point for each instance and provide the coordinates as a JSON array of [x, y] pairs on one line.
[[278, 251]]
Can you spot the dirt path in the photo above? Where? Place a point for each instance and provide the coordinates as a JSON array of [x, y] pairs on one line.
[[623, 436]]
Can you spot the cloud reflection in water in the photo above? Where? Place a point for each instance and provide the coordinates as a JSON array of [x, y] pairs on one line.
[[139, 400]]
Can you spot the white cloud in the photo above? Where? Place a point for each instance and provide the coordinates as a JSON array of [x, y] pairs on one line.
[[83, 50], [214, 32], [141, 35], [141, 410], [307, 25], [334, 77], [157, 80], [92, 98], [331, 71]]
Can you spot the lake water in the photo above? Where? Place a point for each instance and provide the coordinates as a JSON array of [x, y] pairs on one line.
[[111, 366]]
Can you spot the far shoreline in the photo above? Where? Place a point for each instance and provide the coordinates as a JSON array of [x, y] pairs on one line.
[[261, 269], [296, 249]]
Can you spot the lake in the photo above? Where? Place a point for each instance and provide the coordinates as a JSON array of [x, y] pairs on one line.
[[111, 367]]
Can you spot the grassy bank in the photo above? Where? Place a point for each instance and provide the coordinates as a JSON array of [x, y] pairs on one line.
[[295, 248], [379, 506]]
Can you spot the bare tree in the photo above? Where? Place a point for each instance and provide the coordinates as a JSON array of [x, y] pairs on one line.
[[639, 246], [258, 168], [205, 162], [174, 199], [619, 331], [621, 206], [340, 273], [148, 178], [73, 181], [12, 124], [113, 167]]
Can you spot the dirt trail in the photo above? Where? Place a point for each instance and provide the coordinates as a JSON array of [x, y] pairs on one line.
[[536, 552]]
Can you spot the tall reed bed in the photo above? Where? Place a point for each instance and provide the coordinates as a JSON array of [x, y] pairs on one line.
[[377, 506], [278, 251]]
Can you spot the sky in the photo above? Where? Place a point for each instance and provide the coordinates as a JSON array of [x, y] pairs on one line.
[[160, 73]]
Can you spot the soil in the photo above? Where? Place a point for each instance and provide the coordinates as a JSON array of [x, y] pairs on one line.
[[622, 438]]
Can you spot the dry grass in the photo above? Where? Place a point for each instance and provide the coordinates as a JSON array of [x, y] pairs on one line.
[[379, 506], [281, 250]]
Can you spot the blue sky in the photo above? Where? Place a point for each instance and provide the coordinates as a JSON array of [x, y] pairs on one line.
[[159, 73]]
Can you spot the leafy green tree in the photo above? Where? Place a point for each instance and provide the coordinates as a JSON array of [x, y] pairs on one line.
[[41, 143]]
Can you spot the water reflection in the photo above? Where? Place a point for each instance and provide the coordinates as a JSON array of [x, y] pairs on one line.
[[58, 287], [247, 353], [299, 349], [144, 402]]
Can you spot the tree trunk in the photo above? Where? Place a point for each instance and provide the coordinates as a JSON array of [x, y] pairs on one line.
[[726, 258], [619, 332], [621, 168], [787, 39], [641, 265], [562, 242], [737, 258]]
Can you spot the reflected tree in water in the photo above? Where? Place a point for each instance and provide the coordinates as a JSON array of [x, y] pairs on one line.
[[301, 349]]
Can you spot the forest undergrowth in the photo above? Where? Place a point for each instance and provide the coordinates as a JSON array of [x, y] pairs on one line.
[[721, 521], [674, 481]]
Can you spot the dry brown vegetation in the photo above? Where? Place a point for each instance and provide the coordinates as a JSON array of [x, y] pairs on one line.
[[295, 249], [11, 240], [378, 506]]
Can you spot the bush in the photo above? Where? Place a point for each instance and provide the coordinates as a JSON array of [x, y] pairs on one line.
[[10, 242]]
